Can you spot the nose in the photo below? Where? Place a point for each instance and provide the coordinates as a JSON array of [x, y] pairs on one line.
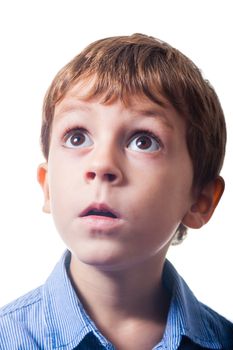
[[104, 166]]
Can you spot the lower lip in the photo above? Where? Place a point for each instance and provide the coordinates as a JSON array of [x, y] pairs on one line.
[[101, 223]]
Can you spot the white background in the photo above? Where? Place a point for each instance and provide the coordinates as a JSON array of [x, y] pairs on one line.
[[36, 39]]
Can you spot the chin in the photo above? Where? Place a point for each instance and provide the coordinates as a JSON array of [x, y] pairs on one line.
[[102, 258]]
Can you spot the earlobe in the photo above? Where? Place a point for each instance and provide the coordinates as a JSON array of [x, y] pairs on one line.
[[42, 177], [206, 202]]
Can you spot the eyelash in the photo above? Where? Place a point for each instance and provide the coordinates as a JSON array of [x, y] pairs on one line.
[[68, 132], [147, 133]]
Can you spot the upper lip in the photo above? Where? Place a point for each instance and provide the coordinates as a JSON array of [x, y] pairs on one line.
[[100, 208]]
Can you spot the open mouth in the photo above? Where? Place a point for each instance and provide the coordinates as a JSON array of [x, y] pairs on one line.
[[100, 210], [104, 213]]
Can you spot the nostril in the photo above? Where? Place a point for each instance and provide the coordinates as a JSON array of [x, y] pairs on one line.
[[90, 175], [110, 177]]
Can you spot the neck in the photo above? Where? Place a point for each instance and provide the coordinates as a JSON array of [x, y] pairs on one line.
[[114, 296]]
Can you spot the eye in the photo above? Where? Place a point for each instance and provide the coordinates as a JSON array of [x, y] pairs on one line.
[[144, 142], [77, 138]]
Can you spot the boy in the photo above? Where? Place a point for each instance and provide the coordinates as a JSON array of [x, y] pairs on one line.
[[134, 141]]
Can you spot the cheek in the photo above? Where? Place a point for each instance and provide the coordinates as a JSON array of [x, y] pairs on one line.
[[60, 187], [165, 198]]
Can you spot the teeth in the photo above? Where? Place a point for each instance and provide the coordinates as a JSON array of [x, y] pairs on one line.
[[101, 213]]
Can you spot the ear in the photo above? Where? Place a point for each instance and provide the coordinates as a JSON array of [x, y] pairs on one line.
[[42, 177], [206, 202]]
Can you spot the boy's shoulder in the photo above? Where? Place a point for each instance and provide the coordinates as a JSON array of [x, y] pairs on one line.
[[210, 331], [195, 320], [217, 323], [25, 301], [18, 319]]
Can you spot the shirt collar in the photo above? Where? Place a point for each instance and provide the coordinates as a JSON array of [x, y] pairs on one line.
[[188, 317]]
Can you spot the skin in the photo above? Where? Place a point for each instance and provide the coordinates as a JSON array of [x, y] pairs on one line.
[[147, 181]]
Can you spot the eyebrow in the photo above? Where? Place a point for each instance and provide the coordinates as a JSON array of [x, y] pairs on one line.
[[70, 107], [152, 112]]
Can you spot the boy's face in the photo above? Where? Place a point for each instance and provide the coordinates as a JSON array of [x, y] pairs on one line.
[[119, 180]]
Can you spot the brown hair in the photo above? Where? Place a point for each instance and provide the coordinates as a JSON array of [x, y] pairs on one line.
[[141, 65]]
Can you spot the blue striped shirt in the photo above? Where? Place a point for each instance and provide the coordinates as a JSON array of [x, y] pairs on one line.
[[52, 317]]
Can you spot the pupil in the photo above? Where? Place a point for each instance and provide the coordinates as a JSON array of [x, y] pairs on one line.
[[143, 142], [77, 139]]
